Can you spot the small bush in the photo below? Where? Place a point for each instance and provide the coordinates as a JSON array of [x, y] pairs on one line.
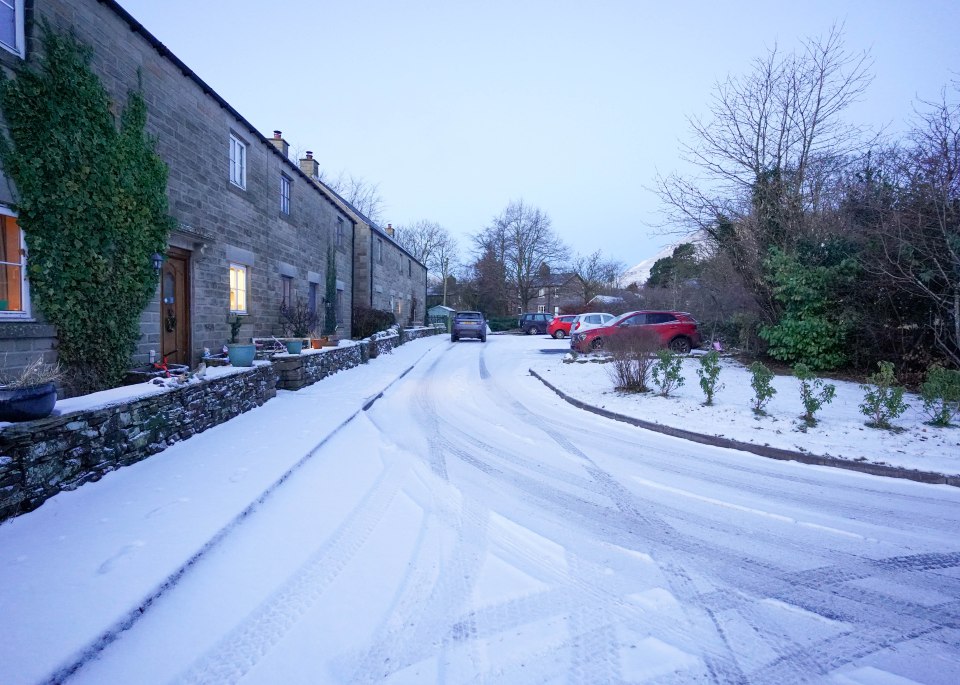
[[666, 372], [367, 321], [883, 400], [631, 352], [709, 373], [760, 381], [502, 323], [813, 393], [941, 395]]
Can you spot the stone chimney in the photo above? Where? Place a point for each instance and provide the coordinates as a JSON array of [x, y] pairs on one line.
[[309, 166], [390, 230], [280, 143]]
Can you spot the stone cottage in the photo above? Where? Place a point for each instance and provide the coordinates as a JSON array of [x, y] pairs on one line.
[[385, 275], [253, 229]]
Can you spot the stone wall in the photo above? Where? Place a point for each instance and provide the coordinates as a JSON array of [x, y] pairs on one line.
[[40, 458], [298, 371]]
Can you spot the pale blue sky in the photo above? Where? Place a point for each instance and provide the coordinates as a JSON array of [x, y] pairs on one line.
[[455, 108]]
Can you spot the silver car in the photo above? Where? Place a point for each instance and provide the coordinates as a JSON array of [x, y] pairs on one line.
[[468, 325]]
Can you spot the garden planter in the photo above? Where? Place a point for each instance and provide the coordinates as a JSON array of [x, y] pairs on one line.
[[241, 354], [294, 346], [316, 343], [27, 404], [144, 374]]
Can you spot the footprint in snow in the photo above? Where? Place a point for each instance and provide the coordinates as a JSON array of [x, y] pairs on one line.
[[124, 553]]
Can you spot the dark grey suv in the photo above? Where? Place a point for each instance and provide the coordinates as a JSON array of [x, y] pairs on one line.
[[468, 325], [533, 323]]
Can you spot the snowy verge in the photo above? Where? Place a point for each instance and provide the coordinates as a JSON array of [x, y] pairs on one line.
[[841, 432]]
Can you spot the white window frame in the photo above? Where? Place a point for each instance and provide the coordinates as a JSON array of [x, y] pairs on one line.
[[25, 312], [238, 162], [16, 6], [286, 185], [238, 293], [541, 309]]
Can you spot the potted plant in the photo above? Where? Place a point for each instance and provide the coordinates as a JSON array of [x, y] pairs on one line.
[[31, 394], [240, 354], [297, 320]]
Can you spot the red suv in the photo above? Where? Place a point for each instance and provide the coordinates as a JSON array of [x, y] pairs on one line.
[[676, 330], [560, 326]]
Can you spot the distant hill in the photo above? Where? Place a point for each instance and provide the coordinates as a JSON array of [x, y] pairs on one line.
[[641, 272]]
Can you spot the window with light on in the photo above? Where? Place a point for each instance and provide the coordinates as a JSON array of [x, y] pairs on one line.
[[238, 289], [12, 269]]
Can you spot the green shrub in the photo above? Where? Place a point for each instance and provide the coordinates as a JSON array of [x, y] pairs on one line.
[[498, 324], [941, 395], [760, 380], [813, 393], [709, 373], [367, 321], [883, 400], [667, 372]]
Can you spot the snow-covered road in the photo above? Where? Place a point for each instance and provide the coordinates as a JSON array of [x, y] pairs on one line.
[[473, 527]]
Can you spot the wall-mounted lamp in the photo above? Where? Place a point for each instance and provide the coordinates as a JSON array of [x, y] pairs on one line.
[[157, 261]]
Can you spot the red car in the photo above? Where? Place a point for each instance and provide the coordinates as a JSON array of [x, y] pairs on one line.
[[560, 326], [676, 330]]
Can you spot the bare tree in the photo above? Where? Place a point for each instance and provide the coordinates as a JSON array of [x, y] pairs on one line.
[[767, 154], [595, 273], [433, 246], [920, 238], [522, 239], [359, 192]]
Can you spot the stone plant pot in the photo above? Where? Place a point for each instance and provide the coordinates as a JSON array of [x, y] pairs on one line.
[[241, 354], [27, 404]]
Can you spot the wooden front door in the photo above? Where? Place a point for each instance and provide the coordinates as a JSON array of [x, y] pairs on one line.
[[175, 307]]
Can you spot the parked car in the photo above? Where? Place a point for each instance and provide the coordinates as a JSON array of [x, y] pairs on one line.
[[559, 328], [533, 323], [588, 320], [468, 325], [676, 330]]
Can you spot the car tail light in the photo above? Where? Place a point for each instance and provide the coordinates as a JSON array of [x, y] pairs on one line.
[[576, 325]]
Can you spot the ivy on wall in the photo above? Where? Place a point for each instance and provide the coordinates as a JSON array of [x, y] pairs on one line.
[[92, 205]]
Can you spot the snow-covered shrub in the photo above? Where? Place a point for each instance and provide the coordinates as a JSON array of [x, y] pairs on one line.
[[667, 372], [761, 381], [813, 393], [709, 373], [941, 395], [883, 400]]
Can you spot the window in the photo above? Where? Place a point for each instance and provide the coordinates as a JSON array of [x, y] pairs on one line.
[[540, 308], [379, 251], [238, 161], [339, 306], [542, 292], [13, 262], [11, 26], [340, 231], [284, 194], [239, 285], [286, 290]]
